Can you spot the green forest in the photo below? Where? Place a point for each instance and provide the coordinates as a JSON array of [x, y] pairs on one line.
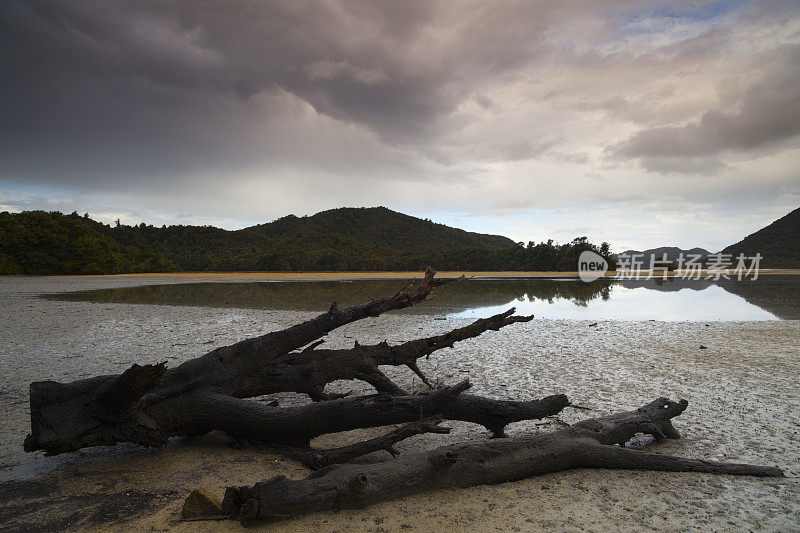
[[346, 239]]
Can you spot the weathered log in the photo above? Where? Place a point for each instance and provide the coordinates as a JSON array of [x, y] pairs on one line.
[[147, 404], [105, 410], [93, 412], [190, 414], [587, 444]]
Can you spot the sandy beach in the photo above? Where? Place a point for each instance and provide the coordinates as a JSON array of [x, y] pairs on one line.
[[742, 391]]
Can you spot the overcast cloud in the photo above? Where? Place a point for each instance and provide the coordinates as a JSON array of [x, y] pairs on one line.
[[640, 123]]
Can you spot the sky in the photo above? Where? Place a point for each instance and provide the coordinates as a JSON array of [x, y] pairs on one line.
[[639, 123]]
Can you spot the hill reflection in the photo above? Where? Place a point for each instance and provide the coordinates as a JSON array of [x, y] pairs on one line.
[[318, 295], [778, 295]]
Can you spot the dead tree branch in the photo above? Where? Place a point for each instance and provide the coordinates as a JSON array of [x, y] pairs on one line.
[[588, 444]]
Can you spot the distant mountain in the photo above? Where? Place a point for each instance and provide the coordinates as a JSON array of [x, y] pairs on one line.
[[778, 243], [672, 254], [377, 238]]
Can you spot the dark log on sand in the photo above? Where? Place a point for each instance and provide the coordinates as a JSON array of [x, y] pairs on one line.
[[588, 444], [147, 404], [191, 414]]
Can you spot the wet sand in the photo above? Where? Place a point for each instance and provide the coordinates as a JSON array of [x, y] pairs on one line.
[[742, 391]]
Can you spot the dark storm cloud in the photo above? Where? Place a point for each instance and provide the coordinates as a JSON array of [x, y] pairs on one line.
[[103, 91]]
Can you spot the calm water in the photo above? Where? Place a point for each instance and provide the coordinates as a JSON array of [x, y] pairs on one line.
[[768, 298]]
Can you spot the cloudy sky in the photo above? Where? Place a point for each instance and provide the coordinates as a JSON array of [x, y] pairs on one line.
[[640, 123]]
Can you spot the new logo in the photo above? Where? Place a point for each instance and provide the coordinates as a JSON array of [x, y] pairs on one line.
[[591, 266]]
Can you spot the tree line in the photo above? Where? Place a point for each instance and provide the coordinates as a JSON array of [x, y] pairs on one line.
[[347, 239]]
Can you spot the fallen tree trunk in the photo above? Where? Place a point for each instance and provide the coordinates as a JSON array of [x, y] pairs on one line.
[[191, 414], [148, 404], [589, 444]]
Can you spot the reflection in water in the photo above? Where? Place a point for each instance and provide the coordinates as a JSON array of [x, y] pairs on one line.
[[673, 299], [780, 295], [318, 295], [638, 303]]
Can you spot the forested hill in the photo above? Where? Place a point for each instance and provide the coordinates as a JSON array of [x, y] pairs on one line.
[[382, 227], [359, 239], [778, 243]]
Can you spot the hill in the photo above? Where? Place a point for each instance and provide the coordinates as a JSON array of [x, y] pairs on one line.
[[778, 243], [37, 242], [672, 254], [383, 227]]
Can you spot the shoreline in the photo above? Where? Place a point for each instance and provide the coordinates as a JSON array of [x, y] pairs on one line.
[[378, 275]]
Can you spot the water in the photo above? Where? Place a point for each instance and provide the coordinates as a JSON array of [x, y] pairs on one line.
[[768, 298]]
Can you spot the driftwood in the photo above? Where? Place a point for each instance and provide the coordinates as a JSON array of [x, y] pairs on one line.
[[148, 404], [588, 444]]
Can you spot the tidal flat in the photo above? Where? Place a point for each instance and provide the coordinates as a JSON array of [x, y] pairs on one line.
[[742, 390]]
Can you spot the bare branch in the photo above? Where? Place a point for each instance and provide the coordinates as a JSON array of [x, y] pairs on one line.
[[316, 459]]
